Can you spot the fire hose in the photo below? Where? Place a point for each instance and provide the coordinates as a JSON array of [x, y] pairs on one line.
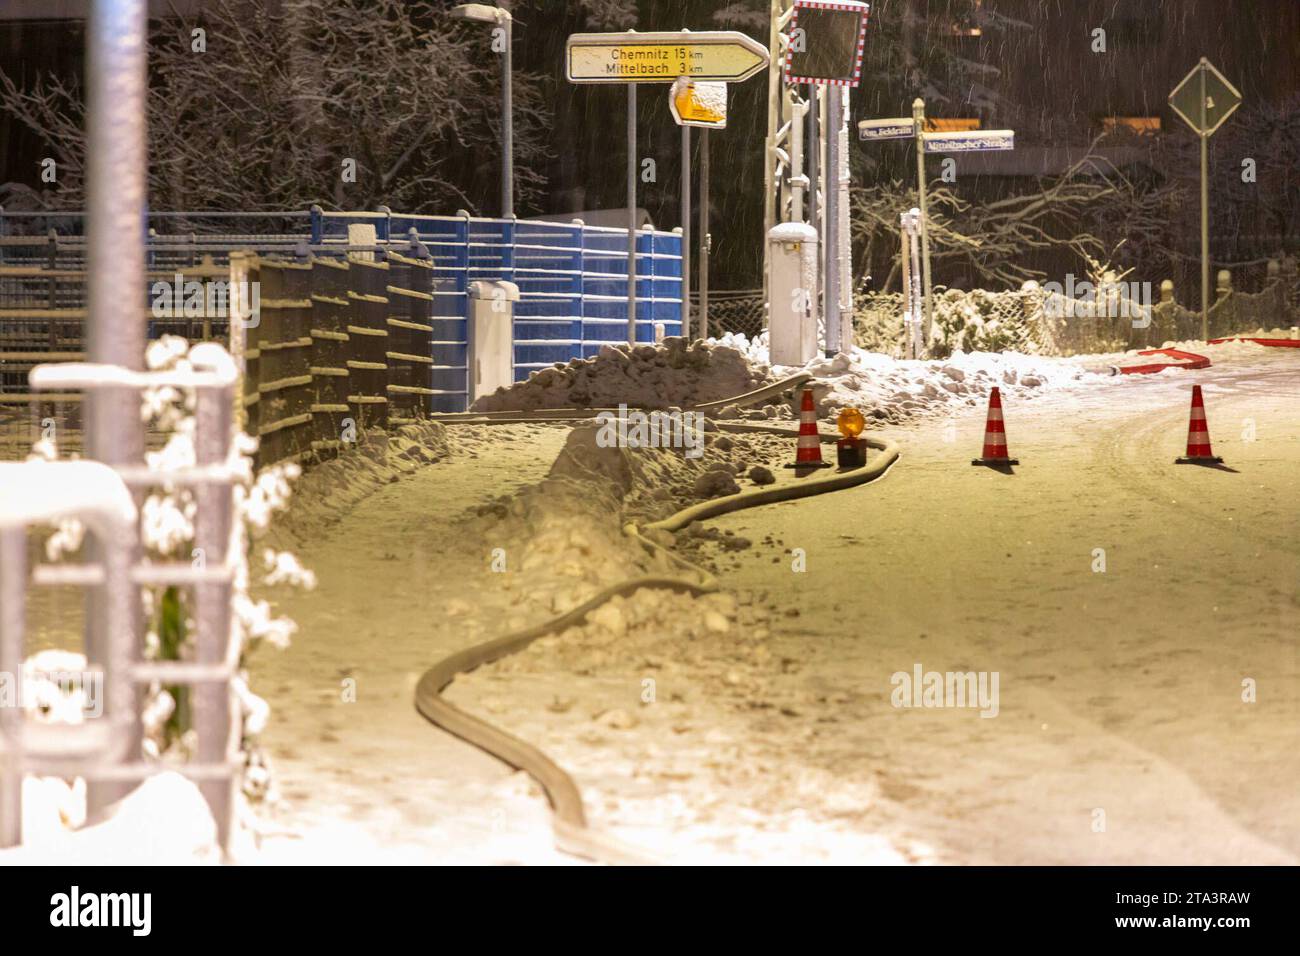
[[573, 834]]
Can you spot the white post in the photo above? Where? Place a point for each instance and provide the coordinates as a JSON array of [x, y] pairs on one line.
[[911, 221], [830, 238], [508, 122], [116, 160], [905, 261], [918, 122], [1205, 210], [706, 239], [842, 234], [797, 181]]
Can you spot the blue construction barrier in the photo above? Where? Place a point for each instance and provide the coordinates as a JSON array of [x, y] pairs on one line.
[[572, 281], [572, 277]]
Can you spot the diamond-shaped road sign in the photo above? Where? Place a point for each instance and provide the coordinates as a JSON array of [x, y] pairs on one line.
[[1221, 98]]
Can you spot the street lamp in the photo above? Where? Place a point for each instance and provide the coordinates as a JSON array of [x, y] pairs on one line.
[[486, 13]]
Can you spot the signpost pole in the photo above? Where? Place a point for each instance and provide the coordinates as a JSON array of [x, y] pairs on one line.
[[1205, 208], [715, 56], [706, 240], [1215, 100], [830, 239], [631, 214], [508, 125], [686, 232], [814, 147], [918, 122], [813, 143]]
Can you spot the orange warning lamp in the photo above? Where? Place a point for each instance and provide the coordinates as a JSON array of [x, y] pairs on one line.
[[850, 422], [851, 451]]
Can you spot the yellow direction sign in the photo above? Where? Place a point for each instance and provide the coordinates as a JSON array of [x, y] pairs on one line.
[[698, 103], [723, 55]]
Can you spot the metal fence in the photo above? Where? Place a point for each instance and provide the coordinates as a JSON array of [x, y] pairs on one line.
[[572, 280], [1033, 320]]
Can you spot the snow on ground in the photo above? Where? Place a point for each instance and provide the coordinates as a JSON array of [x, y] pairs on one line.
[[676, 374], [679, 374], [757, 726], [714, 788], [163, 822], [732, 751], [895, 390], [332, 488]]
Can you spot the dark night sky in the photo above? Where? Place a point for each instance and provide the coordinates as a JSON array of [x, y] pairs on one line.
[[1050, 87]]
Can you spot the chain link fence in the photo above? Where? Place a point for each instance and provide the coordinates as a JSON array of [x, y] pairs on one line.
[[740, 312], [1116, 316]]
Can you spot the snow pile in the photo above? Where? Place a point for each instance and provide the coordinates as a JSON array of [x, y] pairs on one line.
[[648, 376], [565, 533], [655, 482], [329, 490], [164, 821], [895, 390]]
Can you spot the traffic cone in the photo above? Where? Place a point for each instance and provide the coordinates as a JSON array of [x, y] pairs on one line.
[[1199, 451], [995, 435], [809, 452]]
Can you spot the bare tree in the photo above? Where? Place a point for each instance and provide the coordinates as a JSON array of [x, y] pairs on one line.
[[1087, 211], [280, 103]]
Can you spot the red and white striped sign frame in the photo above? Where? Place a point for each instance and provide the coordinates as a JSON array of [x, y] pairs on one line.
[[845, 5]]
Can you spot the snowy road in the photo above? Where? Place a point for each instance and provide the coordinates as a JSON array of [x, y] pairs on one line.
[[364, 777], [1122, 735]]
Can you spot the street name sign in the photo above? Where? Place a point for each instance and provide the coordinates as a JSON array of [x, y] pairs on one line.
[[970, 141], [725, 56], [885, 129]]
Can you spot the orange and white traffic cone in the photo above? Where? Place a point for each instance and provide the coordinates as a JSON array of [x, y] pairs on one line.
[[809, 452], [995, 435], [1199, 451]]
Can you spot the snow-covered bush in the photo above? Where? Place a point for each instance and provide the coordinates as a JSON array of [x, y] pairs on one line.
[[975, 321], [168, 527], [979, 321]]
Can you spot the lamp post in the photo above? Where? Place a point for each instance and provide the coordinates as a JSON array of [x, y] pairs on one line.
[[486, 13]]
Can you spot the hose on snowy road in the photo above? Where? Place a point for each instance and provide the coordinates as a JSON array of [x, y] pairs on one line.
[[573, 835]]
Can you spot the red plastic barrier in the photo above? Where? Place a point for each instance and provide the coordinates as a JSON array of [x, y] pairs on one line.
[[1276, 343], [1190, 360]]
